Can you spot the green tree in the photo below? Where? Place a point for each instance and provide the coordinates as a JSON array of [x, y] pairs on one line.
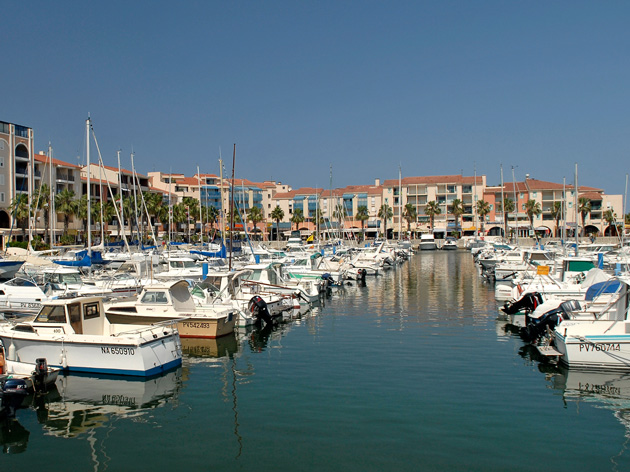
[[483, 208], [532, 208], [507, 208], [65, 204], [556, 214], [457, 210], [362, 216], [41, 202], [432, 210], [255, 215], [385, 213], [610, 217], [20, 212], [584, 209], [410, 214], [298, 217], [277, 214]]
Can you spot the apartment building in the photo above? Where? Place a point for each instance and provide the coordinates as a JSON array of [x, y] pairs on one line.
[[442, 189], [16, 169]]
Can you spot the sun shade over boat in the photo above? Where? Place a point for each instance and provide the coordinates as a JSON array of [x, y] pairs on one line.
[[610, 286]]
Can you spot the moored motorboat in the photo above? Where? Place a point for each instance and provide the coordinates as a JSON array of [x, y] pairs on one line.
[[160, 302], [75, 335]]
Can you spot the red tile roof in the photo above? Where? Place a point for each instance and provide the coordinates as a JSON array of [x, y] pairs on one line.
[[44, 158]]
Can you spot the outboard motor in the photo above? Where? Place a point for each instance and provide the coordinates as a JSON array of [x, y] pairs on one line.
[[40, 374], [258, 308], [328, 278], [536, 326], [14, 391], [528, 302], [361, 273]]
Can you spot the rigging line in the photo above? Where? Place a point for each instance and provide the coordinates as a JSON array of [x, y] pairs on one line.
[[111, 192]]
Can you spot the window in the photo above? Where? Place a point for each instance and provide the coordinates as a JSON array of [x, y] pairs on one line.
[[1, 197], [2, 179], [1, 160], [51, 314], [21, 131], [90, 310], [74, 311]]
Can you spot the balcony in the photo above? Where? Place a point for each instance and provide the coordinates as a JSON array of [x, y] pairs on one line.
[[64, 177]]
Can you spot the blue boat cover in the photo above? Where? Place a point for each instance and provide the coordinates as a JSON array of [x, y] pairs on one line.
[[609, 286]]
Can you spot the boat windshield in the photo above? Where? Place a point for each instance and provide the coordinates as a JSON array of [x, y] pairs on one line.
[[68, 279], [51, 314], [154, 296]]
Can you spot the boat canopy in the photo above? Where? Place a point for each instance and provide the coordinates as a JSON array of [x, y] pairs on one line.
[[610, 286]]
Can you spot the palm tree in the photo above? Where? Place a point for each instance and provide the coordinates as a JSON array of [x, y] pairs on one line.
[[610, 217], [66, 205], [362, 216], [457, 210], [483, 208], [192, 211], [584, 209], [410, 214], [385, 213], [507, 208], [20, 211], [556, 214], [41, 201], [277, 214], [153, 202], [319, 221], [298, 217], [432, 210], [162, 215], [532, 208], [255, 216], [180, 215], [81, 212], [212, 214]]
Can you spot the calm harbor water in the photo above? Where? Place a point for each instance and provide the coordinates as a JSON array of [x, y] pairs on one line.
[[410, 372]]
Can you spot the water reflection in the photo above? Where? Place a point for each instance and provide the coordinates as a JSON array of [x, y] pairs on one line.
[[608, 390], [214, 348], [80, 404]]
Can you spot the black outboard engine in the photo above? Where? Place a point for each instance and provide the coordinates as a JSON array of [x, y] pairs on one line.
[[40, 374], [361, 273], [14, 391], [537, 326], [328, 278], [527, 302], [258, 308]]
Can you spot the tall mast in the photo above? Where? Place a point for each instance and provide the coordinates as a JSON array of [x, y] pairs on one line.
[[474, 208], [515, 207], [232, 209], [623, 218], [222, 211], [51, 199], [564, 211], [135, 199], [89, 196], [503, 206], [200, 206], [399, 202], [575, 199], [120, 198]]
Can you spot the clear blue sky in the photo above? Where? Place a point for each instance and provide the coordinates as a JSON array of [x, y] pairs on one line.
[[437, 87]]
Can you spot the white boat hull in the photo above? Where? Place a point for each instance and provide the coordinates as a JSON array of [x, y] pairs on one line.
[[594, 344], [118, 356]]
